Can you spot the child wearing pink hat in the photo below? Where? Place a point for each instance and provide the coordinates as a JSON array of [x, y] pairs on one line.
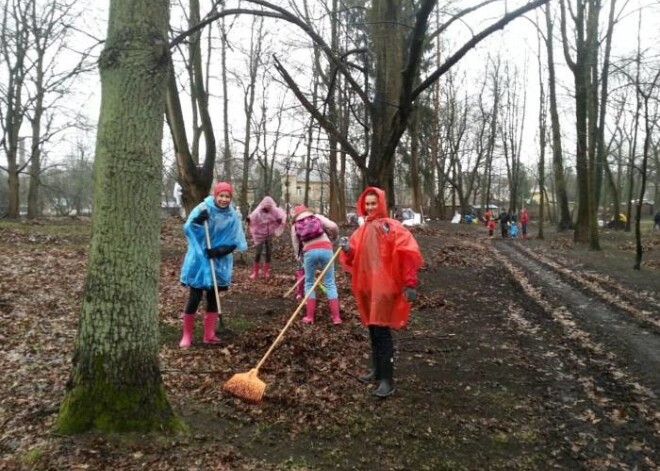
[[312, 236], [226, 235]]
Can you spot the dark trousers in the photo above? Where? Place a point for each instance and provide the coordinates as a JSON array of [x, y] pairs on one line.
[[266, 248], [195, 297], [382, 348]]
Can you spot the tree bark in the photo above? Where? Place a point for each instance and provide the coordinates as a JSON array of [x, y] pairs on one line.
[[116, 385], [564, 221]]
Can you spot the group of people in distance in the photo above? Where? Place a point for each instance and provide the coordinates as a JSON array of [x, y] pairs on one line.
[[381, 255], [508, 223]]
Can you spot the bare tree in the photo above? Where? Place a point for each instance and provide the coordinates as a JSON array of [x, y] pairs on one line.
[[67, 187], [542, 138], [14, 46], [396, 46], [647, 92], [116, 384], [253, 57], [50, 26], [511, 130], [564, 221], [195, 176], [584, 68]]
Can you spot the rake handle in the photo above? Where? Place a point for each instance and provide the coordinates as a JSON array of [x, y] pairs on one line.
[[300, 306], [215, 281], [286, 295]]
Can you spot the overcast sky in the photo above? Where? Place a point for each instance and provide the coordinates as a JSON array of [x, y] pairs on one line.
[[517, 43]]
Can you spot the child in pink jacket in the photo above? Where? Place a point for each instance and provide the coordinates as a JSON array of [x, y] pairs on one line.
[[265, 222]]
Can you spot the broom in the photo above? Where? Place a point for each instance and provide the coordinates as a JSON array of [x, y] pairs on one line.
[[215, 281], [248, 386]]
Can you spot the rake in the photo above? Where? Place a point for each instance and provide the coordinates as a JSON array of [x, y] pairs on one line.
[[215, 281], [248, 386], [300, 280]]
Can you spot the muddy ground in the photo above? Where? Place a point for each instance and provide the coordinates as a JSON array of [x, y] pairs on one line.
[[520, 355]]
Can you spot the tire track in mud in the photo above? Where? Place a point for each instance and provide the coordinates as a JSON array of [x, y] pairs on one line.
[[592, 316], [641, 305], [612, 358]]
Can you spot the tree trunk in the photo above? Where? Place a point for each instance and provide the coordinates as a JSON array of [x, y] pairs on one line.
[[386, 30], [585, 20], [225, 105], [116, 385], [543, 132], [638, 210], [564, 220]]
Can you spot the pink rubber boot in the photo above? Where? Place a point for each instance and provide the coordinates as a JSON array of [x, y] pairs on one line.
[[311, 309], [255, 271], [266, 271], [333, 304], [300, 290], [210, 318], [188, 327]]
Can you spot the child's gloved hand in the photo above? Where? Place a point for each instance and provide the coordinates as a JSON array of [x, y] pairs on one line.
[[201, 217], [343, 244], [410, 293], [220, 251]]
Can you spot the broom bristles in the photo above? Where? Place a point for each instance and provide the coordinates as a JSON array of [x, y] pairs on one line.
[[246, 386]]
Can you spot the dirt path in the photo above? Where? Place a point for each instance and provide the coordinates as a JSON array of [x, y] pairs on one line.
[[629, 334], [513, 360]]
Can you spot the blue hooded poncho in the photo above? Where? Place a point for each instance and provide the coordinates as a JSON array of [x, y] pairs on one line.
[[224, 229]]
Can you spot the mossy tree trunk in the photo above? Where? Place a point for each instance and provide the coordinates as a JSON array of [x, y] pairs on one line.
[[115, 384]]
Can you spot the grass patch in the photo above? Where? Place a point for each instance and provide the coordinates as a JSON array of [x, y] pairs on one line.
[[32, 456], [239, 324]]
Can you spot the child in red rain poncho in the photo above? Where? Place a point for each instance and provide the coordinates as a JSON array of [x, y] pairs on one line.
[[491, 227], [383, 258], [265, 222]]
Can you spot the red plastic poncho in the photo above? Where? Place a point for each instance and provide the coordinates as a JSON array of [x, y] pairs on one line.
[[383, 258]]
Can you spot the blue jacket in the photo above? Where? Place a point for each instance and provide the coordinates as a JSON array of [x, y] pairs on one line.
[[225, 228]]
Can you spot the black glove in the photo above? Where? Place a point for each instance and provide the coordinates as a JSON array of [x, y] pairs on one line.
[[344, 244], [410, 293], [220, 251], [201, 217]]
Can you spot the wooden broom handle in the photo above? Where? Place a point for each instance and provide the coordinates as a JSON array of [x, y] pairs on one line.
[[286, 295], [215, 281], [300, 306]]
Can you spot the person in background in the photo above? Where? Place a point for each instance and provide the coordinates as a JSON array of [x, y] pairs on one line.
[[312, 236], [226, 235], [491, 227], [265, 222], [656, 222], [504, 223], [524, 219], [383, 258], [488, 215]]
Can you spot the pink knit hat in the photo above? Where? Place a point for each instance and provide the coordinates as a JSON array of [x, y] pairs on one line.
[[222, 186], [299, 209]]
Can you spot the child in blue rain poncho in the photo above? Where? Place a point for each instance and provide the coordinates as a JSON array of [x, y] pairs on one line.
[[226, 234]]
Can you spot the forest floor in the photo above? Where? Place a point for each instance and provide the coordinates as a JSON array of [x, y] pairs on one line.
[[520, 355]]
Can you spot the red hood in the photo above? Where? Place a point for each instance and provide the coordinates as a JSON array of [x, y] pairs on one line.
[[381, 209]]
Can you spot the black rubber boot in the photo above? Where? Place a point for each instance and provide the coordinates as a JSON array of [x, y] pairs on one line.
[[384, 356], [386, 385], [374, 372]]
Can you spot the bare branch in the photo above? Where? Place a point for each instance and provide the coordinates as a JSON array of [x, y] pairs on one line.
[[506, 19]]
